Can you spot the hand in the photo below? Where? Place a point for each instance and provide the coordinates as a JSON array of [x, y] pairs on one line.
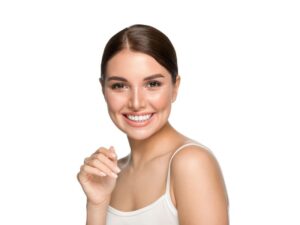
[[98, 175]]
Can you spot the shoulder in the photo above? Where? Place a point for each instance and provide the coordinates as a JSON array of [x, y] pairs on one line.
[[193, 156], [198, 186], [195, 165]]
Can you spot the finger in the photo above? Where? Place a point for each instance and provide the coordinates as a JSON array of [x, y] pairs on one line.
[[113, 154], [112, 158], [107, 162], [96, 163], [107, 152], [89, 170]]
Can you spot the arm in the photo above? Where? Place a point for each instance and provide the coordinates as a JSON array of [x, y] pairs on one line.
[[96, 214], [199, 188]]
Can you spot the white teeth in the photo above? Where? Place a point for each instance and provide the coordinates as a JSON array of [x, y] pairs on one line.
[[139, 118]]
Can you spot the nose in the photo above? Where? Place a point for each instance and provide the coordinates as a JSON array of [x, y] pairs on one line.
[[137, 99]]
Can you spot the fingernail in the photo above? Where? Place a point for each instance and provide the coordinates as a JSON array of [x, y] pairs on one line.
[[102, 174], [117, 169], [114, 175]]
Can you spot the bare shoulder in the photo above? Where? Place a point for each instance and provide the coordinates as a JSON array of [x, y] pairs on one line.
[[199, 188], [194, 155], [195, 163]]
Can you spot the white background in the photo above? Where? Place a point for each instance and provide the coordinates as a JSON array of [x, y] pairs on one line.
[[239, 63]]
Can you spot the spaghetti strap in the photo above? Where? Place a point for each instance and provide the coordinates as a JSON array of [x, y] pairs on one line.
[[161, 211], [177, 150]]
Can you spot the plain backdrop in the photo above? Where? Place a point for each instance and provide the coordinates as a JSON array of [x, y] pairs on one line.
[[239, 96]]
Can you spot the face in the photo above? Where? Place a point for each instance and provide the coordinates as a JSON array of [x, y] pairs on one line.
[[139, 93]]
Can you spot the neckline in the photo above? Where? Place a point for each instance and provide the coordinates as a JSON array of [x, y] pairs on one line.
[[165, 195], [137, 211]]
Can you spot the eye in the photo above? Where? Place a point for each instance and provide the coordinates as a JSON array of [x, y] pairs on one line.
[[153, 84], [118, 86]]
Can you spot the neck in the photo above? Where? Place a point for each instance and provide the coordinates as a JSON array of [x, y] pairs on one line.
[[143, 151]]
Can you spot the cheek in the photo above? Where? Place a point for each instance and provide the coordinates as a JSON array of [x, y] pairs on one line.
[[161, 100], [115, 102]]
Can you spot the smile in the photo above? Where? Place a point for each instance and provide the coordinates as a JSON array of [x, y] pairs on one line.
[[139, 118]]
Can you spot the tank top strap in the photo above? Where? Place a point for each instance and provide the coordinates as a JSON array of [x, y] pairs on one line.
[[177, 150]]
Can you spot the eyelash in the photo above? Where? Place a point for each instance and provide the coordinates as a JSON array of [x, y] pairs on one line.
[[117, 86], [150, 84], [153, 84]]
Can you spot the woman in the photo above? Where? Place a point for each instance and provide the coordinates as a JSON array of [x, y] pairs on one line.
[[167, 178]]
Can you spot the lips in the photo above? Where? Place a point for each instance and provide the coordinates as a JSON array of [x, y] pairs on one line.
[[138, 120]]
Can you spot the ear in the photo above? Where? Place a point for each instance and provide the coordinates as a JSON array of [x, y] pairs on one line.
[[176, 87]]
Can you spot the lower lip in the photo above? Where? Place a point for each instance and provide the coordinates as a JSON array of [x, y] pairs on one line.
[[138, 124]]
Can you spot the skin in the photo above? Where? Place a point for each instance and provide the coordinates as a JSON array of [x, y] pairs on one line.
[[137, 84]]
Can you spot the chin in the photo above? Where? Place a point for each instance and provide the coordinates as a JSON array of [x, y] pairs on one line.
[[138, 135]]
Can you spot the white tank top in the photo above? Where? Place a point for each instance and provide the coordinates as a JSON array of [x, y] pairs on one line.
[[160, 212]]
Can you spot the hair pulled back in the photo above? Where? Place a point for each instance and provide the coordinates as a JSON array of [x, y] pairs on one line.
[[144, 39]]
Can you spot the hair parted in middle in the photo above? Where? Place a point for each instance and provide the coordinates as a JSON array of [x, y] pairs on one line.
[[145, 39]]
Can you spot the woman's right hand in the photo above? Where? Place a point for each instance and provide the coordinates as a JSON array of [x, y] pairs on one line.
[[98, 175]]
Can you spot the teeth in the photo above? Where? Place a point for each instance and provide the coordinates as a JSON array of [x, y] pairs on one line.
[[139, 118]]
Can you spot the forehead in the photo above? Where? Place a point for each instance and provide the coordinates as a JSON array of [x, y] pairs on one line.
[[127, 63]]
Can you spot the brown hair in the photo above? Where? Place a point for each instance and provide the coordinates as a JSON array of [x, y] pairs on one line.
[[145, 39]]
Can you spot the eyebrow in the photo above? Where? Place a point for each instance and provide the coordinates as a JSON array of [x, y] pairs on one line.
[[145, 79]]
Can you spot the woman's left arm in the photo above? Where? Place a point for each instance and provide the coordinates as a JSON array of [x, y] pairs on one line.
[[199, 188]]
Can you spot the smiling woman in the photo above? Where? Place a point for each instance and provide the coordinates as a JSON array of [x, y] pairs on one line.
[[140, 96], [167, 178]]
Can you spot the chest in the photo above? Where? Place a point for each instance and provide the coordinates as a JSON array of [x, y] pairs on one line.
[[137, 190]]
